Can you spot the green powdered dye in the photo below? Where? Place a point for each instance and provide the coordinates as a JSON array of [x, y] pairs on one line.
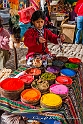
[[48, 76], [71, 65]]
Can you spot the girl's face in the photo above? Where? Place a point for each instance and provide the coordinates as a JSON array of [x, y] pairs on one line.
[[39, 23]]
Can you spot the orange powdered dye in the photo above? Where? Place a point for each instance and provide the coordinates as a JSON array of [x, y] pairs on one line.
[[33, 71], [12, 84], [31, 94]]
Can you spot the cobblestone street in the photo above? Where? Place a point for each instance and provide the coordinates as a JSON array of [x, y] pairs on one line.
[[70, 50]]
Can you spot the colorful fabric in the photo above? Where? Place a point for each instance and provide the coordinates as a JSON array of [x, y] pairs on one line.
[[26, 14], [17, 107], [71, 111], [46, 118], [35, 4], [24, 28], [55, 115], [78, 96]]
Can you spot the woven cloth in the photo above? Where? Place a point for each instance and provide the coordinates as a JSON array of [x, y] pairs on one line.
[[71, 110]]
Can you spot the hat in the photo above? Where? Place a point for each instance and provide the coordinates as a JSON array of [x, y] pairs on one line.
[[26, 14]]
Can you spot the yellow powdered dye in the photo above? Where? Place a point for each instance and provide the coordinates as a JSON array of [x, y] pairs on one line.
[[51, 99]]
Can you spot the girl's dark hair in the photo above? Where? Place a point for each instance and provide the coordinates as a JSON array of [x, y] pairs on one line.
[[36, 15], [1, 26], [1, 20]]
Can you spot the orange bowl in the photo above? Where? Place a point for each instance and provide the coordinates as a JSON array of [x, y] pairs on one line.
[[30, 95]]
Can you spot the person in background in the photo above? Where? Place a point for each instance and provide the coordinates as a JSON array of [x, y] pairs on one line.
[[4, 45], [79, 12], [37, 37], [46, 11], [72, 14]]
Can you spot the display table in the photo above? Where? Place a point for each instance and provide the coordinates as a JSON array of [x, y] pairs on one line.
[[71, 111]]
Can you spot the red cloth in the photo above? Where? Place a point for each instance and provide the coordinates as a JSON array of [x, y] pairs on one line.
[[26, 14], [31, 37], [79, 8]]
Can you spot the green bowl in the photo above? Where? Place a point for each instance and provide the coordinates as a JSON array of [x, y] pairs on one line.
[[71, 66]]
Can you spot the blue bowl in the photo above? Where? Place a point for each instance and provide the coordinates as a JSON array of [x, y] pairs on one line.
[[68, 72]]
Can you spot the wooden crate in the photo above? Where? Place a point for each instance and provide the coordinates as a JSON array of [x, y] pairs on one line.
[[68, 30]]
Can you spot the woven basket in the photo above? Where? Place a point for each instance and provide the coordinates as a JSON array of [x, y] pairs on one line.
[[53, 69], [56, 99], [34, 71], [41, 85], [65, 80], [62, 58], [68, 72], [58, 63], [32, 103], [50, 107], [50, 77], [27, 79], [72, 66], [30, 100], [11, 94]]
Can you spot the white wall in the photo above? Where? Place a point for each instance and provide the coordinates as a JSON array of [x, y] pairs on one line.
[[42, 4]]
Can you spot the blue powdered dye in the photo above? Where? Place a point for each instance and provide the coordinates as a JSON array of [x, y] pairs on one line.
[[68, 72]]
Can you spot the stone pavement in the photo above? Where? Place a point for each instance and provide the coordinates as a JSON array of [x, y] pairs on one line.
[[70, 50]]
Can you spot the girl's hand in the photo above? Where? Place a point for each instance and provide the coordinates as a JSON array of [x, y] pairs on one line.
[[42, 40], [62, 37]]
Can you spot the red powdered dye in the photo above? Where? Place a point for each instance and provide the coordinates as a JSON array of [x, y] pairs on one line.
[[64, 80], [26, 78], [74, 60], [12, 84], [33, 71]]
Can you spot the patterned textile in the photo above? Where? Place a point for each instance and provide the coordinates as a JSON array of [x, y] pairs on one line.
[[18, 107], [44, 118], [71, 111]]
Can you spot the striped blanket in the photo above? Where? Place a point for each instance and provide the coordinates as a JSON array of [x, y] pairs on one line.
[[18, 107]]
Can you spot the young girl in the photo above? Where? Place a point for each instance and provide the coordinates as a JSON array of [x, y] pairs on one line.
[[4, 45], [37, 37]]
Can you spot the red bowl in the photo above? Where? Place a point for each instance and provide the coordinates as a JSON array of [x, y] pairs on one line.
[[65, 80], [74, 60], [12, 84], [33, 71], [26, 78]]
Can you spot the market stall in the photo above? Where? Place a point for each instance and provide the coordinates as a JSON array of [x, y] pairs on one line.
[[49, 90], [63, 77]]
